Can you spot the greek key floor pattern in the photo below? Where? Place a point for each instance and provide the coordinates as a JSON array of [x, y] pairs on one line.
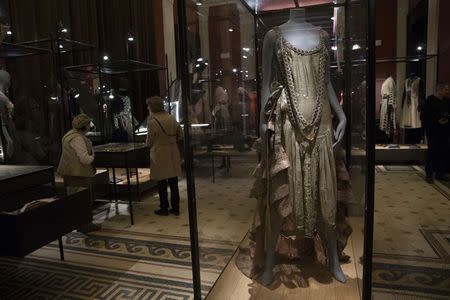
[[411, 236]]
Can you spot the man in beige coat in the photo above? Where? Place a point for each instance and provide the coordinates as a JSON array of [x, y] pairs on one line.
[[163, 134]]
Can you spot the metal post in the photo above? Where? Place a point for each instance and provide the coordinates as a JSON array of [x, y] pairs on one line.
[[130, 201], [60, 73], [348, 59], [61, 248], [188, 158], [133, 138], [168, 85], [371, 130]]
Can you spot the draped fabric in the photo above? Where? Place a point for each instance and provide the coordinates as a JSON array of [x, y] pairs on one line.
[[410, 117], [297, 174]]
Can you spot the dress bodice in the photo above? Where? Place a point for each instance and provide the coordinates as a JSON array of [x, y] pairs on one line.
[[304, 76]]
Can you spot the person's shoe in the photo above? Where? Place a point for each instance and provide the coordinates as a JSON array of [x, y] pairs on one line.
[[174, 212], [442, 178], [429, 179], [161, 212]]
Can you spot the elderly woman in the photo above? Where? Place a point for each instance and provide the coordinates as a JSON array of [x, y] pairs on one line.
[[75, 165], [77, 155], [163, 133]]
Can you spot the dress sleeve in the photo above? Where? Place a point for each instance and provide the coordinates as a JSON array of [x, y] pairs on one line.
[[79, 145]]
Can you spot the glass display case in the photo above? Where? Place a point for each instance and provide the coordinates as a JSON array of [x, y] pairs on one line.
[[290, 69], [107, 92]]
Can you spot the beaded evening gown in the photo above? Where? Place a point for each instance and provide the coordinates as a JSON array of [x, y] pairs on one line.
[[297, 173]]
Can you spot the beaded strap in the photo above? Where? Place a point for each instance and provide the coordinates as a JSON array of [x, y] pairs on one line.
[[307, 129]]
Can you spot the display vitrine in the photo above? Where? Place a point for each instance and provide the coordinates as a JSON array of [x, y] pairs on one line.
[[290, 75]]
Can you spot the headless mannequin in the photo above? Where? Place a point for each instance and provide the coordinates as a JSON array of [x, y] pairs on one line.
[[304, 36], [6, 111]]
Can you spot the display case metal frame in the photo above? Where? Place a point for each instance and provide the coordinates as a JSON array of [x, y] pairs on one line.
[[117, 67], [53, 46], [369, 63]]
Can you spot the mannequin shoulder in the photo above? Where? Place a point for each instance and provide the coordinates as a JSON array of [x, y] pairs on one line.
[[270, 37]]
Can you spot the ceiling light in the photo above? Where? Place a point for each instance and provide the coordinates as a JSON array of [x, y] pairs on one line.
[[334, 48], [332, 18], [356, 47], [9, 32], [244, 56], [246, 49], [105, 57], [235, 70], [76, 95], [230, 29], [131, 39], [111, 96], [61, 46], [64, 30], [419, 48], [200, 59], [197, 65]]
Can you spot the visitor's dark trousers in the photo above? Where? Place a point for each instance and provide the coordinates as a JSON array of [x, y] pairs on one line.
[[436, 153], [174, 194]]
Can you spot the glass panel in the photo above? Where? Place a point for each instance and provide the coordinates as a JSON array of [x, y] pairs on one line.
[[402, 80], [411, 180], [291, 250], [103, 58], [223, 111]]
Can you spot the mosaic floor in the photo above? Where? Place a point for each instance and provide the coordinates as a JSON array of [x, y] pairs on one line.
[[411, 237], [149, 260]]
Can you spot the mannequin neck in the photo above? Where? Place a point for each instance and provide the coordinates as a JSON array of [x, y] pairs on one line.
[[297, 15]]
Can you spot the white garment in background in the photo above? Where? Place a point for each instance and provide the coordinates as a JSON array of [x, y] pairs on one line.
[[388, 106], [410, 114]]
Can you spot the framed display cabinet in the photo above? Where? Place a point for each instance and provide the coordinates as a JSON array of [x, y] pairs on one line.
[[222, 45]]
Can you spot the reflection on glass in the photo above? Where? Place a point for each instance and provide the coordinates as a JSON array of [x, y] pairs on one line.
[[104, 59]]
